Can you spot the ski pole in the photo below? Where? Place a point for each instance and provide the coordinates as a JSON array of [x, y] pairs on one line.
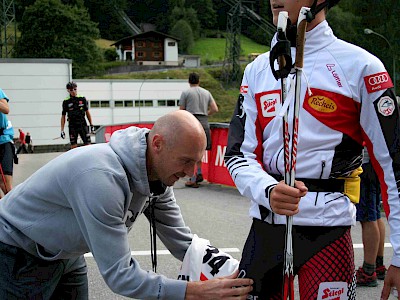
[[291, 154]]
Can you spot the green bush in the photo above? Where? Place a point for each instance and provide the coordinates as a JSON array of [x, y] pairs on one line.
[[110, 54]]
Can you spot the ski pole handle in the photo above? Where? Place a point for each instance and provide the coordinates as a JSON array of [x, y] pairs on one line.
[[301, 37]]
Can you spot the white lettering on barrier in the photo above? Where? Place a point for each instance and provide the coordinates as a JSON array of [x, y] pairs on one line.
[[205, 157], [219, 158]]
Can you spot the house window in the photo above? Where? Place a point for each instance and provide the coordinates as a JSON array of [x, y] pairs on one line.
[[140, 54], [171, 44], [171, 102], [141, 103], [167, 102], [156, 54], [119, 103], [99, 104], [104, 103], [156, 45], [140, 44], [94, 104]]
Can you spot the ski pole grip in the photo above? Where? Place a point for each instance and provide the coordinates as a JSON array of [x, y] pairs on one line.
[[301, 37]]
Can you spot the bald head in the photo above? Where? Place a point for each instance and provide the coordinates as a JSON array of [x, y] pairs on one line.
[[179, 125], [176, 143]]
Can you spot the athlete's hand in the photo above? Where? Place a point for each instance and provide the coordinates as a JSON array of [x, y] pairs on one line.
[[229, 287], [62, 135], [392, 279], [92, 129], [284, 199]]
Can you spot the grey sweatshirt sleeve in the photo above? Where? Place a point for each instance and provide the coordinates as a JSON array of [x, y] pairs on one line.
[[100, 210]]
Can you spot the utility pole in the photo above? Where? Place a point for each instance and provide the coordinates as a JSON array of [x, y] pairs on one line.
[[8, 33], [231, 66], [231, 71]]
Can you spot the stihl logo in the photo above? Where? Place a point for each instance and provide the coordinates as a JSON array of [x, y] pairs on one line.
[[332, 294], [378, 82]]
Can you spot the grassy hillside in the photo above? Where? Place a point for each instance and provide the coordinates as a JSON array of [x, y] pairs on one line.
[[213, 49], [210, 50]]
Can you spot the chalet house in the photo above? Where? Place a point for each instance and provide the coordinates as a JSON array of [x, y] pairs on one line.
[[149, 48]]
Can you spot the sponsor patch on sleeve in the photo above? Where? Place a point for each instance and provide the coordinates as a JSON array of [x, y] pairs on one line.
[[244, 89], [386, 106], [377, 82]]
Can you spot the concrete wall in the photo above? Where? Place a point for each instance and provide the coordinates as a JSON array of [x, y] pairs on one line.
[[36, 88], [152, 94]]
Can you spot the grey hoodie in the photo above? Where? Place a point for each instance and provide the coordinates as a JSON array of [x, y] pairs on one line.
[[87, 199]]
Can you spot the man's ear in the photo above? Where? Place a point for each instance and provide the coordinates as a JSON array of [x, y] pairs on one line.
[[157, 143]]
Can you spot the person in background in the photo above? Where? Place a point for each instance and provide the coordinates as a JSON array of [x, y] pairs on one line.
[[199, 102], [76, 107], [21, 142], [29, 142], [7, 148], [373, 226], [346, 98], [88, 200]]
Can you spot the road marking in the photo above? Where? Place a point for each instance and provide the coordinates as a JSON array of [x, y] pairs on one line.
[[166, 252], [226, 250], [358, 246]]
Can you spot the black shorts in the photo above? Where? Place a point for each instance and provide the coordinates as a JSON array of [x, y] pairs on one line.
[[320, 255], [369, 207], [82, 130], [7, 152]]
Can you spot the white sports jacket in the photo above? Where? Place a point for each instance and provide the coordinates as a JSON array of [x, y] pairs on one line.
[[352, 102]]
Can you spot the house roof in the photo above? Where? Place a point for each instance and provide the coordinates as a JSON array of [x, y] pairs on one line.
[[145, 34]]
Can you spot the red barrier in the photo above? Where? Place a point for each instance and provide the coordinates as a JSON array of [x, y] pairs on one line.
[[213, 166]]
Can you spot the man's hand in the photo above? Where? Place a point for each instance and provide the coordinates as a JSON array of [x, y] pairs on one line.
[[219, 288], [62, 135], [92, 129], [392, 279], [284, 199]]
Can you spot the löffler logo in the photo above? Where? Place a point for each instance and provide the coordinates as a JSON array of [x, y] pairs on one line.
[[377, 82], [331, 69]]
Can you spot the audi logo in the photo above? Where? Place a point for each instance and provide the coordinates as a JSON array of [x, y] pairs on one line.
[[378, 79]]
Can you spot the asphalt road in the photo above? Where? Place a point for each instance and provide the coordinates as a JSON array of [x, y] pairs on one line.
[[217, 213]]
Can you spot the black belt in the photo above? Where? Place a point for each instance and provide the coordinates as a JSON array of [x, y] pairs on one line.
[[319, 185]]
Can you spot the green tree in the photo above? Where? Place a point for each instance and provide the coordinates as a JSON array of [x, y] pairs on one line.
[[180, 12], [104, 13], [50, 29], [206, 13], [379, 16], [183, 31]]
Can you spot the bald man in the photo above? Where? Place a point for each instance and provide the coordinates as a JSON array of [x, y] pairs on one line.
[[87, 200]]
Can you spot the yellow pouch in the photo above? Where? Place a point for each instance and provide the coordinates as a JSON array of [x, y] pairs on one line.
[[352, 185]]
